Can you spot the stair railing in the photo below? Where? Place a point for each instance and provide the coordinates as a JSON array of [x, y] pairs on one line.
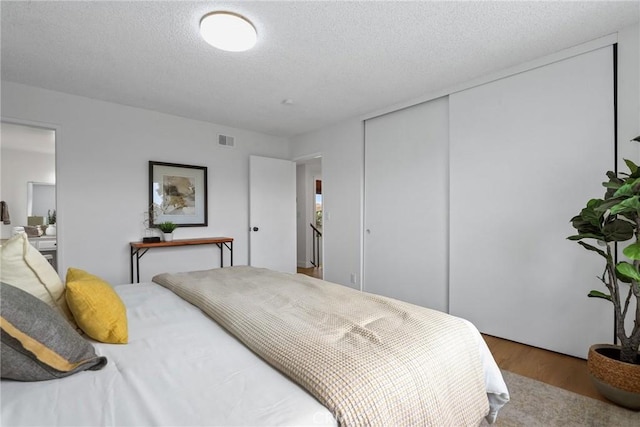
[[317, 241]]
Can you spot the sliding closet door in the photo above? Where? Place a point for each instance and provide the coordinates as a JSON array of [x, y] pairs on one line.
[[527, 152], [405, 240]]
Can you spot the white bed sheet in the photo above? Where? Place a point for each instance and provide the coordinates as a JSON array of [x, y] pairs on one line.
[[179, 368], [497, 391]]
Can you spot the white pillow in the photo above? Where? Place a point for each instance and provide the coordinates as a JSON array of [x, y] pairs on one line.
[[24, 267]]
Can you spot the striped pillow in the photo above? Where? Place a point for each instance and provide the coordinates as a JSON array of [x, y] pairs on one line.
[[37, 342]]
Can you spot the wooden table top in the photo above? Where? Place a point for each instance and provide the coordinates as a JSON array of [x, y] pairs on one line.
[[183, 242]]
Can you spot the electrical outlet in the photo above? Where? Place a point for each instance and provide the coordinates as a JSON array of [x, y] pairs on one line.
[[354, 278]]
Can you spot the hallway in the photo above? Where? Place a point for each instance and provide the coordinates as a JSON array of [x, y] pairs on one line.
[[312, 271]]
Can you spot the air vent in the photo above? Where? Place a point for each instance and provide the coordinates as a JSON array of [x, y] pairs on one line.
[[225, 140]]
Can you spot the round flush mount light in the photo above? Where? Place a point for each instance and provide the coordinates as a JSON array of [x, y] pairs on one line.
[[228, 31]]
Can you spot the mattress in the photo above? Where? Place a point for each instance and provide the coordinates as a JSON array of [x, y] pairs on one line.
[[370, 360], [178, 369]]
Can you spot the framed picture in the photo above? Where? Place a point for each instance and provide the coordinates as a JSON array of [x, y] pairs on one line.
[[177, 193]]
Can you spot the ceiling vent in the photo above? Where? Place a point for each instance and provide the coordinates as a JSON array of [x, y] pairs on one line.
[[225, 140]]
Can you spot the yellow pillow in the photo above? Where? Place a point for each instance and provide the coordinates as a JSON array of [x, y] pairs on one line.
[[96, 307]]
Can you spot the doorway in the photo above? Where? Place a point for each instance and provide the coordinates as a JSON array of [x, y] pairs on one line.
[[28, 189], [309, 209]]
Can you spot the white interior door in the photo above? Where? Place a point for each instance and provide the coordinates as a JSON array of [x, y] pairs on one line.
[[272, 214], [406, 198]]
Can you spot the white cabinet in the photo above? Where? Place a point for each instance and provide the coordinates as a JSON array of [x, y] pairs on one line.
[[48, 247], [468, 200]]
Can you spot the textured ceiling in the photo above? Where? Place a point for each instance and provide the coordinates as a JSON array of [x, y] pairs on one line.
[[335, 60]]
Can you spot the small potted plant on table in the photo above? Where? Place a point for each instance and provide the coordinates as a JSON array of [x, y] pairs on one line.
[[167, 229]]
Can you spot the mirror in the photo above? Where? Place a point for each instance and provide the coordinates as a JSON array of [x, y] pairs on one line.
[[41, 200]]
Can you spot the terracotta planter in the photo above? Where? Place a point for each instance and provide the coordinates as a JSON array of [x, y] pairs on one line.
[[617, 381]]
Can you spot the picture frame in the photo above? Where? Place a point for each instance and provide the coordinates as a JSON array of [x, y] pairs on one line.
[[178, 193]]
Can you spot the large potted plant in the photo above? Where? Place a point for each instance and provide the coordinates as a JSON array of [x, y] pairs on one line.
[[615, 369]]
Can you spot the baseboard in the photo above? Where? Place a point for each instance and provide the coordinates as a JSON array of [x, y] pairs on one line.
[[304, 264]]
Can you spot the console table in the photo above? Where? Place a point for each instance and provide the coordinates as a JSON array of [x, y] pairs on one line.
[[138, 249]]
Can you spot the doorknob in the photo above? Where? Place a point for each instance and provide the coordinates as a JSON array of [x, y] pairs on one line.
[[255, 228]]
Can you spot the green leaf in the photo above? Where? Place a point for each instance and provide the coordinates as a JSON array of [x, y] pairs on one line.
[[624, 279], [598, 294], [585, 227], [590, 215], [594, 203], [607, 204], [628, 205], [628, 270], [613, 185], [593, 248], [632, 251], [586, 236], [632, 166], [613, 177], [636, 174], [624, 190], [629, 188], [631, 216], [618, 230]]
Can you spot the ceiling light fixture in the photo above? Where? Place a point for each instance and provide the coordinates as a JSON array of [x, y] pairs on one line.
[[228, 31]]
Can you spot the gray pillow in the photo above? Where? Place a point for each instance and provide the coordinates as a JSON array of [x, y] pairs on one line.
[[38, 343]]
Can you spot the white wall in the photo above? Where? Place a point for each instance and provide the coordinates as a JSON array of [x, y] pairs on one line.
[[18, 168], [341, 147], [343, 160], [103, 151]]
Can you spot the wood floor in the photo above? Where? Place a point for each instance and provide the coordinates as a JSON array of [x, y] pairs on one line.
[[569, 373], [560, 370], [313, 272]]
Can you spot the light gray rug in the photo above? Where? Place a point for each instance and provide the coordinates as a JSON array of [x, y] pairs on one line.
[[534, 403]]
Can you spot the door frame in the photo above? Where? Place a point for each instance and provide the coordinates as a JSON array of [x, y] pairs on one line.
[[308, 237], [56, 128]]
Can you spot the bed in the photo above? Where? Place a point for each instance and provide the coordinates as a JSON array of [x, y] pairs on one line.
[[181, 368]]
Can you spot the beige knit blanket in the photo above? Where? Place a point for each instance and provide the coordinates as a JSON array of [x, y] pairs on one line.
[[371, 360]]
